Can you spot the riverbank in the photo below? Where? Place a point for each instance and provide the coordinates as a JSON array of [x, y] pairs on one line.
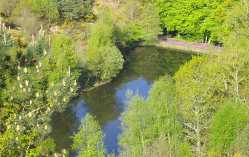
[[200, 48], [171, 44]]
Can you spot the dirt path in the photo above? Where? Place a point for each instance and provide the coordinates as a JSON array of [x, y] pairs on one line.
[[202, 48]]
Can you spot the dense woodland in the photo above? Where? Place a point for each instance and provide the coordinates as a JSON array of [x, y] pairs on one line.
[[52, 49]]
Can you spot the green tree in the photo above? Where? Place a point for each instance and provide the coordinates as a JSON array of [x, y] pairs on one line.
[[136, 128], [197, 20], [74, 9], [234, 70], [235, 60], [88, 141], [226, 124], [63, 57], [104, 58], [137, 21], [44, 8], [236, 24], [25, 115], [199, 91], [147, 122]]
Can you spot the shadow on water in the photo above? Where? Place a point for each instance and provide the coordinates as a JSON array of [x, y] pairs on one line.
[[108, 102]]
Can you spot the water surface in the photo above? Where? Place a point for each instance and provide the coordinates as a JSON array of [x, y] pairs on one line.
[[108, 102]]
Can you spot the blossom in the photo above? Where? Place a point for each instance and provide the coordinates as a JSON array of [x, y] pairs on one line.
[[25, 70], [26, 82], [29, 114], [45, 52], [37, 94], [71, 89], [63, 82], [17, 128]]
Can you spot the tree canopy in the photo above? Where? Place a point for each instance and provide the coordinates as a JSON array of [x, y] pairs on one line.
[[51, 50]]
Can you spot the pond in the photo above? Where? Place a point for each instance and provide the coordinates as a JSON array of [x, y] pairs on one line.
[[108, 102]]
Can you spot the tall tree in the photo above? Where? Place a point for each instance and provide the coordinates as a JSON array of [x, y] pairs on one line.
[[104, 58], [137, 21], [227, 123], [198, 93], [197, 20], [89, 139], [25, 115], [149, 121]]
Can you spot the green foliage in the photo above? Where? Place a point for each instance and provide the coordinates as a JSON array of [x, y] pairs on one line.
[[197, 20], [203, 84], [22, 16], [44, 8], [199, 92], [75, 9], [234, 71], [145, 122], [88, 140], [44, 11], [161, 148], [137, 21], [235, 60], [25, 115], [8, 55], [237, 21], [135, 120], [104, 58], [188, 77], [184, 117], [241, 144], [63, 57], [227, 123]]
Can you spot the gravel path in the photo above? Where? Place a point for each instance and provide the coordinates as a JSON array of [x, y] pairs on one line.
[[189, 46]]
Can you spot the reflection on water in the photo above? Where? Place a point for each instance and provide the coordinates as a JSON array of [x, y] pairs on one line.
[[112, 129], [80, 109], [107, 102], [135, 87]]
